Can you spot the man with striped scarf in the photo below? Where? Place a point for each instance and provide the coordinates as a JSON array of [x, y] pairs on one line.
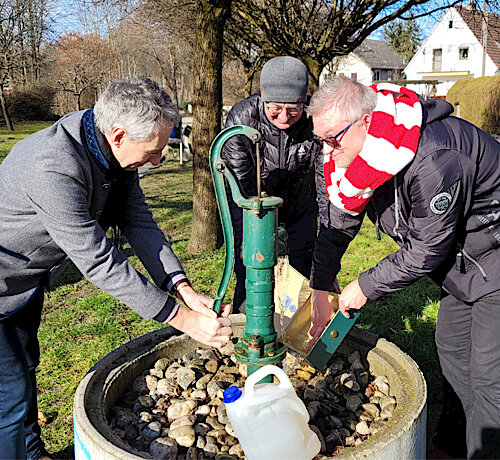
[[432, 182]]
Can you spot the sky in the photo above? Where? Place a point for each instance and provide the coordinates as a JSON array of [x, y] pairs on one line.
[[67, 19]]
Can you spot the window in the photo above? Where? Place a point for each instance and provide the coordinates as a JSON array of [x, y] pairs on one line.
[[437, 56], [450, 25], [354, 76], [463, 53], [341, 74]]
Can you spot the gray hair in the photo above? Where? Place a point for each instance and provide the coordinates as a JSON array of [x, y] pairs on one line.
[[138, 105], [347, 97]]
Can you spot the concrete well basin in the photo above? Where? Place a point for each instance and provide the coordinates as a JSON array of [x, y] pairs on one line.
[[402, 437]]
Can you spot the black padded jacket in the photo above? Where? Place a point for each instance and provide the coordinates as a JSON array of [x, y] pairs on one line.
[[443, 210], [287, 159]]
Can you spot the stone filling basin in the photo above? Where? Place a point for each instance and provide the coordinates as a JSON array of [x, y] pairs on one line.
[[402, 436]]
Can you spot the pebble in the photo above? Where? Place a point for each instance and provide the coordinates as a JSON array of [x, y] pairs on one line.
[[230, 430], [362, 428], [345, 403], [222, 414], [352, 402], [211, 366], [179, 409], [163, 448], [151, 431], [236, 450], [186, 377], [202, 410], [184, 435], [124, 416], [192, 453], [187, 420], [139, 385], [131, 432], [388, 412], [202, 383], [171, 371], [320, 437], [382, 384], [312, 408], [199, 394], [304, 375], [386, 401], [162, 364], [146, 401], [201, 442], [214, 423], [168, 387], [146, 417], [215, 389]]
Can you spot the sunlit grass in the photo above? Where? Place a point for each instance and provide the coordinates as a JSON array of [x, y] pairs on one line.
[[21, 130]]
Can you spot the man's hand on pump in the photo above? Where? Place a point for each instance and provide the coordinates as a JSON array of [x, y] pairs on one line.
[[199, 321]]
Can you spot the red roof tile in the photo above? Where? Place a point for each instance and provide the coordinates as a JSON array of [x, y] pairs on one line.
[[473, 18]]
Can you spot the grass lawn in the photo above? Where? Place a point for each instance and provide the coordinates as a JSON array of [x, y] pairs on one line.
[[21, 130], [81, 324]]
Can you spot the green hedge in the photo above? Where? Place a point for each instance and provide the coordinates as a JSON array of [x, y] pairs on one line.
[[479, 100]]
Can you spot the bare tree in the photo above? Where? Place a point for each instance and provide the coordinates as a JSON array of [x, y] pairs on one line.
[[244, 44], [316, 31], [34, 19], [83, 63], [11, 33], [162, 47]]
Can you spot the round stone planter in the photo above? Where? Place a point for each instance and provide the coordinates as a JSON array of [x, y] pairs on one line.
[[403, 436]]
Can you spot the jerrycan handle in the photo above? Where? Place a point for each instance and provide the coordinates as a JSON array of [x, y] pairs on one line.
[[264, 371]]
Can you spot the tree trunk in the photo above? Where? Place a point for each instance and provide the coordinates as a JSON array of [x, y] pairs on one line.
[[314, 68], [5, 112], [211, 16], [250, 74]]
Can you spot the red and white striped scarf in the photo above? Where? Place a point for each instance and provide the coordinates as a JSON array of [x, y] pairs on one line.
[[390, 144]]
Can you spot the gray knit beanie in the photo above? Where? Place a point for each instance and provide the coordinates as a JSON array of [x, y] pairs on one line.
[[284, 79]]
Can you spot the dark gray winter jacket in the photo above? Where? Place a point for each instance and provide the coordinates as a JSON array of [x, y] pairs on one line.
[[443, 210], [59, 194], [287, 159]]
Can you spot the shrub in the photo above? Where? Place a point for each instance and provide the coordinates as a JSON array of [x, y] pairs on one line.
[[479, 100], [31, 105]]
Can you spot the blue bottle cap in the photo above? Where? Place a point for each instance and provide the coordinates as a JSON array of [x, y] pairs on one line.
[[231, 394]]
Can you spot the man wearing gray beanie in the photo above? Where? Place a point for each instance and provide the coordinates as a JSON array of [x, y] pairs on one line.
[[287, 154]]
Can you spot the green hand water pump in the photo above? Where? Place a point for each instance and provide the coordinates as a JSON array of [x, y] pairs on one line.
[[259, 345]]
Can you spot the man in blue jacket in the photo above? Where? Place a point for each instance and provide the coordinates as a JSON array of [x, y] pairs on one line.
[[62, 188], [432, 182]]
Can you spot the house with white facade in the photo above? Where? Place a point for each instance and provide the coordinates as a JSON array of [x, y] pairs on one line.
[[371, 61], [455, 49]]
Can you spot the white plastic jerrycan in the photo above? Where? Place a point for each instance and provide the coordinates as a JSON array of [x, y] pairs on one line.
[[270, 420]]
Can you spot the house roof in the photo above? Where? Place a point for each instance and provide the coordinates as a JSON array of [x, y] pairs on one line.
[[473, 18], [378, 55]]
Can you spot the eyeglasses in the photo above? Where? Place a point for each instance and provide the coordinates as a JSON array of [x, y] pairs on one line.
[[276, 109], [333, 141]]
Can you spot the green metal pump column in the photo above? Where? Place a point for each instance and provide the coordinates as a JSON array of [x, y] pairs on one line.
[[259, 257], [259, 345]]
